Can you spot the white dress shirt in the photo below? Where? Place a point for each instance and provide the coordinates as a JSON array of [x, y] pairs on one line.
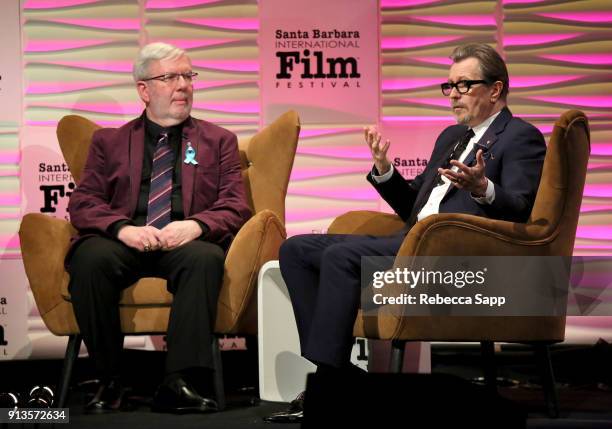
[[432, 206]]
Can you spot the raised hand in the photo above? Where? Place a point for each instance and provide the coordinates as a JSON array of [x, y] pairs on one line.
[[378, 151]]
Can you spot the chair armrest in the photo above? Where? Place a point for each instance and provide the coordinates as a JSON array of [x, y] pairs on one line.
[[366, 222], [44, 244], [461, 234], [257, 242]]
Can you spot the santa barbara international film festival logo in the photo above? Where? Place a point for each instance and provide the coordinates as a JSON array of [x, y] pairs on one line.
[[306, 59], [56, 185]]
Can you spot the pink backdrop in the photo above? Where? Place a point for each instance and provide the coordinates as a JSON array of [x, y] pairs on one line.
[[76, 57]]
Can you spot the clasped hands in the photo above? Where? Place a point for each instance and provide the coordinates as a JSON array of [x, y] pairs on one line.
[[149, 238], [471, 179]]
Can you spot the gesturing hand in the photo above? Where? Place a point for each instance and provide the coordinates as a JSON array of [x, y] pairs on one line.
[[378, 151], [471, 179]]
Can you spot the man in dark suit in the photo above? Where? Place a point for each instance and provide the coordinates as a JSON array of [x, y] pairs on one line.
[[487, 165], [160, 196]]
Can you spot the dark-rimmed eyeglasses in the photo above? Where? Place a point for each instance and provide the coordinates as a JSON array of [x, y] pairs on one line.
[[173, 77], [462, 87]]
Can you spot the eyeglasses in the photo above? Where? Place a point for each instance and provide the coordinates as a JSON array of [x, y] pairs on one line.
[[173, 77], [462, 87]]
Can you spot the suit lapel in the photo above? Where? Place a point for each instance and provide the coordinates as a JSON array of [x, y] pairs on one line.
[[488, 139], [188, 171], [136, 148], [491, 136]]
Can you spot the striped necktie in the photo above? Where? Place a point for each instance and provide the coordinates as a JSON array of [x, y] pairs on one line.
[[159, 207]]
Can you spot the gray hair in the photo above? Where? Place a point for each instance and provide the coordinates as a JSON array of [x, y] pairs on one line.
[[153, 52], [492, 66]]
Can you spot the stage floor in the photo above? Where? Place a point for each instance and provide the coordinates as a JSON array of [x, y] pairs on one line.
[[585, 401]]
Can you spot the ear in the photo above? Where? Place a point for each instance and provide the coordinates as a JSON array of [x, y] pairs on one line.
[[498, 86], [143, 91]]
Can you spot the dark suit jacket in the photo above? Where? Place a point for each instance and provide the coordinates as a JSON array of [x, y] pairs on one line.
[[212, 190], [513, 162]]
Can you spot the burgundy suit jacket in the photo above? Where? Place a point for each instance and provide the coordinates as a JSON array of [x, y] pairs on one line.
[[212, 190]]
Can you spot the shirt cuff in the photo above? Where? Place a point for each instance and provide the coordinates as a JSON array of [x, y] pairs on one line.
[[489, 195], [381, 178], [114, 227], [203, 227]]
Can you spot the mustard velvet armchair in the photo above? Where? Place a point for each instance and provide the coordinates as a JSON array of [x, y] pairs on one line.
[[549, 231], [145, 306]]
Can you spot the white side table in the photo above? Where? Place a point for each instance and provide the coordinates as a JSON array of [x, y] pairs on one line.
[[282, 371]]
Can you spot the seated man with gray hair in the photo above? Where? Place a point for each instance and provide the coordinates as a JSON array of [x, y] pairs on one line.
[[161, 196]]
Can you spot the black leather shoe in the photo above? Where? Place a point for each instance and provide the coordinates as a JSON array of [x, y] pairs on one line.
[[293, 414], [179, 397], [108, 398]]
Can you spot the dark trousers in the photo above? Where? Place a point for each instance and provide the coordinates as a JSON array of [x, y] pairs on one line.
[[322, 273], [101, 268]]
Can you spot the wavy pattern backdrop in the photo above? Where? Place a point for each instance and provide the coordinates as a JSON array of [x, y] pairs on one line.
[[77, 59], [221, 38], [10, 199], [416, 38], [78, 54], [328, 178]]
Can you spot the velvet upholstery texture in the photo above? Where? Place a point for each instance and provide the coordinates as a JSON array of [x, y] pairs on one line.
[[266, 160], [549, 231]]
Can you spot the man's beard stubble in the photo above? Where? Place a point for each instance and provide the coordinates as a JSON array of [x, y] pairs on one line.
[[465, 120]]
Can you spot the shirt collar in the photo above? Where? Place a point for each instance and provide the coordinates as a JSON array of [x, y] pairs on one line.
[[154, 129], [480, 129]]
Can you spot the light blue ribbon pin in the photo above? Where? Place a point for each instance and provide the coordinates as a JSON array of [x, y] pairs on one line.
[[190, 155]]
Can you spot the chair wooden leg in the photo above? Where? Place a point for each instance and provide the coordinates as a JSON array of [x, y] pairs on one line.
[[72, 352], [487, 349], [397, 356], [548, 379], [218, 374]]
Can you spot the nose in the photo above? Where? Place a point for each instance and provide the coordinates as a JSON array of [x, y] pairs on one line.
[[454, 93], [182, 82]]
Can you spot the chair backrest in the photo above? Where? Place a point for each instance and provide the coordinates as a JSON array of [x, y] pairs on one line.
[[266, 158], [74, 136], [557, 205]]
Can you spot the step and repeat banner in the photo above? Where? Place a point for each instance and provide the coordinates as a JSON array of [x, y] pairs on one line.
[[340, 64], [325, 65], [322, 59]]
